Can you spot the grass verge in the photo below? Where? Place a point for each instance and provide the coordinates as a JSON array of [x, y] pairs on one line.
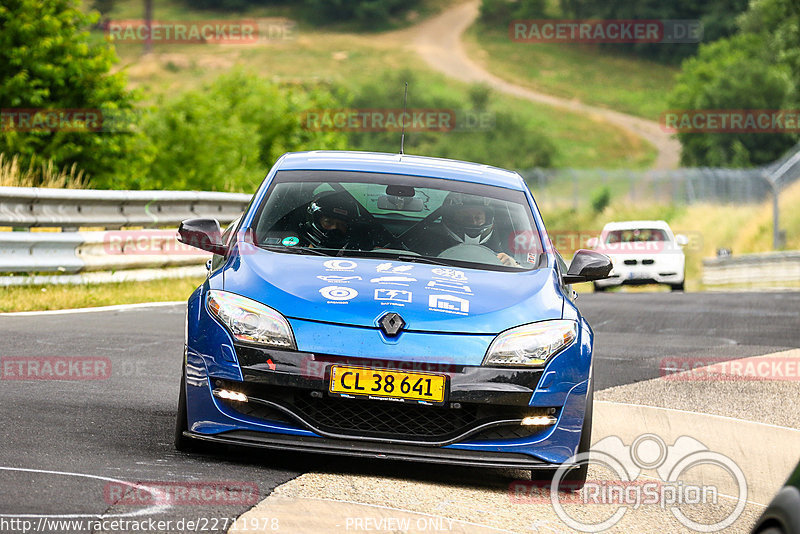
[[592, 75], [351, 61], [60, 297]]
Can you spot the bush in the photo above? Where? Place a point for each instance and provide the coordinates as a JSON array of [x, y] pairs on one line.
[[500, 13], [506, 141], [370, 14], [48, 61], [226, 136], [601, 199], [733, 73]]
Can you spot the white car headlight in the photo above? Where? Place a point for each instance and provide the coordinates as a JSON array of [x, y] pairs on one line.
[[532, 344], [250, 321]]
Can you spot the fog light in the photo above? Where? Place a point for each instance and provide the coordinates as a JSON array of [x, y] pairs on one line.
[[539, 420], [230, 395]]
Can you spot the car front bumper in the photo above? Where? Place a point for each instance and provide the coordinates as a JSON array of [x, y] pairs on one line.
[[288, 405]]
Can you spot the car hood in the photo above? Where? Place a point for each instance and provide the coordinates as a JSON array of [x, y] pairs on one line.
[[429, 298]]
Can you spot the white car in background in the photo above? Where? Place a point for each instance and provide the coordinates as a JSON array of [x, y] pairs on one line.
[[642, 252]]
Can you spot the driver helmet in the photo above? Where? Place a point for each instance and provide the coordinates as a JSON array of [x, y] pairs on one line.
[[468, 219], [329, 220]]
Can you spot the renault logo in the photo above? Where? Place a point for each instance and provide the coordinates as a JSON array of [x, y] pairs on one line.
[[392, 323]]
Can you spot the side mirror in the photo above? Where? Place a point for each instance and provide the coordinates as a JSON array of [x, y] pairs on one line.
[[681, 240], [586, 266], [204, 234], [592, 242]]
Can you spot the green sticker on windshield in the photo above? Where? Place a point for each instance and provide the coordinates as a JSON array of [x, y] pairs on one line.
[[290, 241]]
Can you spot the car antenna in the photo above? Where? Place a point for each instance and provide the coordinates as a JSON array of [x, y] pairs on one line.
[[403, 119]]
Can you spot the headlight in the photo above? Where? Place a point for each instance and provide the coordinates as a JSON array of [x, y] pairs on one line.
[[250, 321], [532, 344]]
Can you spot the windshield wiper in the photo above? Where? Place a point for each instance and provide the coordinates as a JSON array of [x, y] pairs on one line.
[[419, 259], [294, 250]]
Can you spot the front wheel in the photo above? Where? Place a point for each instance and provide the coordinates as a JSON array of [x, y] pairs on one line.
[[599, 288], [676, 287]]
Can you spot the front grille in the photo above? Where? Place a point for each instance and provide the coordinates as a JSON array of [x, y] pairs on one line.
[[630, 262], [383, 418], [379, 419]]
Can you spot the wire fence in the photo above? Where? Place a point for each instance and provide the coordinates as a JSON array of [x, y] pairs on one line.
[[578, 188]]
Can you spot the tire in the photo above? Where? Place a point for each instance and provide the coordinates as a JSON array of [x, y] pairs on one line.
[[598, 288], [182, 443], [676, 287]]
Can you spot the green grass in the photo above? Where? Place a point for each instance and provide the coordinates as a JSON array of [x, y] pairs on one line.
[[596, 76], [352, 60], [60, 297], [181, 10]]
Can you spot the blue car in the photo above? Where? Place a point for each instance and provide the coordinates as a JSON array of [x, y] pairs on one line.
[[389, 306]]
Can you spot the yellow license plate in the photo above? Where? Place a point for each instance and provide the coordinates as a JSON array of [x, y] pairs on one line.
[[386, 383]]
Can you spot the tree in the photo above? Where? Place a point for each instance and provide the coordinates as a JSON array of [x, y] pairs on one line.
[[718, 19], [758, 68], [49, 61], [733, 74], [226, 136], [504, 140]]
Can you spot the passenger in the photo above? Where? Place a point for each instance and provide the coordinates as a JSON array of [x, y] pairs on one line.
[[470, 220], [332, 221]]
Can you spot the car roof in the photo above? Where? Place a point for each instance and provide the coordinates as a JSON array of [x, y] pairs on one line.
[[633, 225], [402, 164]]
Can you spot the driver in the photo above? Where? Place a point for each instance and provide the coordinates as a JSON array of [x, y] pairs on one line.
[[332, 221], [470, 220]]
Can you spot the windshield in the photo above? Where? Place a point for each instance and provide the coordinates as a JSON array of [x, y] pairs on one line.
[[637, 235], [407, 217]]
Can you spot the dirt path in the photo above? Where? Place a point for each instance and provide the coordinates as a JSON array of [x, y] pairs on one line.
[[438, 41]]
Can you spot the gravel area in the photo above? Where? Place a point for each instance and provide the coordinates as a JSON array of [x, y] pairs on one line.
[[366, 495], [489, 505], [714, 391]]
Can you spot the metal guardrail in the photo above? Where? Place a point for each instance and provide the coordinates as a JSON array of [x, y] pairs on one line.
[[79, 257], [768, 267], [30, 207], [75, 252]]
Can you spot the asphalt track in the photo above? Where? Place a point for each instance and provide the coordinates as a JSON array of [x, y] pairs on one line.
[[121, 427]]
